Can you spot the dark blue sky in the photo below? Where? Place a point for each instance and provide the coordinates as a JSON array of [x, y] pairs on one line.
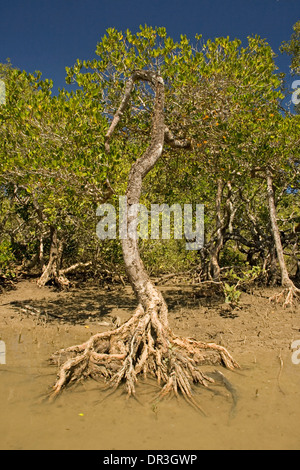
[[48, 35]]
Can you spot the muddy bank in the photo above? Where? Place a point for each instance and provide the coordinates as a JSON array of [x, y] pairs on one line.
[[36, 322]]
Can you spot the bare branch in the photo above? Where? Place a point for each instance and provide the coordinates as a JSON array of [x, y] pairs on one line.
[[175, 143], [145, 75]]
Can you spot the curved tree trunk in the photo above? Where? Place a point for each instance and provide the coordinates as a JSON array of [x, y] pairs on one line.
[[144, 345], [144, 289]]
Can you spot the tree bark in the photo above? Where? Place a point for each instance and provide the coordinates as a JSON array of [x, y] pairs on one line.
[[285, 278], [286, 282], [218, 244], [146, 292], [52, 270]]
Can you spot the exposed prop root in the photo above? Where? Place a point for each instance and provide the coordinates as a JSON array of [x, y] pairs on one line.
[[143, 346], [59, 279], [287, 296]]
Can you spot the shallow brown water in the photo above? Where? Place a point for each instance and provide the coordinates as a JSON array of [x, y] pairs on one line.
[[267, 415]]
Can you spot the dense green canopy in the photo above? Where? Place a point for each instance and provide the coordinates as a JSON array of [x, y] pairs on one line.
[[222, 96]]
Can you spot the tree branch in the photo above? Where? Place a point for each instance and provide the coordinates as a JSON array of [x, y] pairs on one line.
[[145, 75], [175, 143]]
